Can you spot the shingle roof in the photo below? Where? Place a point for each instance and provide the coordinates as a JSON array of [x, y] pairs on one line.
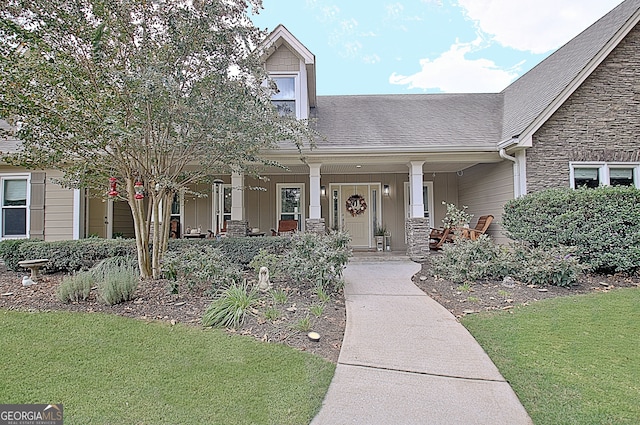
[[466, 120], [412, 120], [526, 98]]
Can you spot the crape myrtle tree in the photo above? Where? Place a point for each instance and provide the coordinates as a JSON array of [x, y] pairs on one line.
[[165, 93]]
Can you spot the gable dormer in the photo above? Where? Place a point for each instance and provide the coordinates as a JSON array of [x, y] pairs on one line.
[[293, 68]]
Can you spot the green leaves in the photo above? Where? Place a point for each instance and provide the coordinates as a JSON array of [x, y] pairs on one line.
[[603, 224], [157, 92]]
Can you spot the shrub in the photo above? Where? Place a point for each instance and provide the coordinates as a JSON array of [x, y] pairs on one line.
[[200, 263], [319, 259], [230, 306], [266, 259], [236, 250], [603, 224], [117, 280], [545, 266], [469, 261], [76, 287], [455, 217], [10, 252], [67, 256]]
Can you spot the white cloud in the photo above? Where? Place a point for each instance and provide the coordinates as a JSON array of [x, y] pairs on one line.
[[537, 26], [371, 59], [452, 72]]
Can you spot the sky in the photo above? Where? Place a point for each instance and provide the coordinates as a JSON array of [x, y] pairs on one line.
[[428, 46]]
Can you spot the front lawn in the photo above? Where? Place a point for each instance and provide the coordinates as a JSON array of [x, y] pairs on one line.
[[571, 360], [112, 370]]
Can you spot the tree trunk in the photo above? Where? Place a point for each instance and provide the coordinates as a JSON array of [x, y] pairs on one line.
[[141, 231]]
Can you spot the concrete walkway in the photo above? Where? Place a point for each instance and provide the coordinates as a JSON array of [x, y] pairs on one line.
[[406, 360]]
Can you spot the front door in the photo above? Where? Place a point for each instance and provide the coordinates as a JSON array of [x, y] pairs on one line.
[[355, 211]]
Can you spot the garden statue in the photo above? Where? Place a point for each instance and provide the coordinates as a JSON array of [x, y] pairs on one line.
[[263, 279]]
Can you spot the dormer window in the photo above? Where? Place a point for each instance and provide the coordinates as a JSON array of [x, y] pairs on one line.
[[285, 98]]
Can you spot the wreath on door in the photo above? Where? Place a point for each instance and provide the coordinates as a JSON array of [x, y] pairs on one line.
[[356, 205]]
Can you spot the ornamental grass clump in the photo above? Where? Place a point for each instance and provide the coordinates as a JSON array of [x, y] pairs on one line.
[[230, 306], [117, 279], [75, 287]]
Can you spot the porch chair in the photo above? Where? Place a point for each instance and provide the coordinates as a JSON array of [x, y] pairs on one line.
[[439, 237], [285, 227], [481, 227]]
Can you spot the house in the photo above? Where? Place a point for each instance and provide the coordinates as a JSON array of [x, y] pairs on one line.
[[392, 160]]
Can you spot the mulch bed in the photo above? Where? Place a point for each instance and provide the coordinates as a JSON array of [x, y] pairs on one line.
[[500, 295], [153, 301]]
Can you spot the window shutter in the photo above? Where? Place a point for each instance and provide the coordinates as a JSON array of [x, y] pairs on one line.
[[37, 205]]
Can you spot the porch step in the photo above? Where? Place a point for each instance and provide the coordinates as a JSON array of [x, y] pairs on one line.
[[378, 256]]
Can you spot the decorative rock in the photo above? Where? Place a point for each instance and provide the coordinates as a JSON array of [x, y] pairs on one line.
[[26, 281], [314, 336], [292, 309], [468, 311], [543, 290], [423, 278], [180, 303], [6, 294], [508, 282]]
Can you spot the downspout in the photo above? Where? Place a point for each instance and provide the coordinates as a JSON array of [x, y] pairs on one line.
[[516, 172]]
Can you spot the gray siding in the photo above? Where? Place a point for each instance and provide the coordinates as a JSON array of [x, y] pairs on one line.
[[599, 122], [485, 188]]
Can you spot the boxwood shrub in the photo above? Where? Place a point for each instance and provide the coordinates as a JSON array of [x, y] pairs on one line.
[[603, 224], [237, 250], [65, 256]]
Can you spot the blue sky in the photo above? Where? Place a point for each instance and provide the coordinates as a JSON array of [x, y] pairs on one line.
[[428, 46]]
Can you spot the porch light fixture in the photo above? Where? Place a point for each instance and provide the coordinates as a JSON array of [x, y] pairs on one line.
[[323, 191], [385, 190]]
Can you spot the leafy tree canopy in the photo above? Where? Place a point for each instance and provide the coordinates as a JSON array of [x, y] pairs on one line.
[[166, 92]]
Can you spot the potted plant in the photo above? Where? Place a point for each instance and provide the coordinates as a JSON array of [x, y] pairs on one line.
[[455, 218], [380, 232]]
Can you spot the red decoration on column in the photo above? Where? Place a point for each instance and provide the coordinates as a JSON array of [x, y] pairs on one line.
[[139, 188], [113, 192]]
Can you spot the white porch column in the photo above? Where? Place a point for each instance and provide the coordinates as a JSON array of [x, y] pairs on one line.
[[314, 191], [77, 213], [237, 196], [415, 189]]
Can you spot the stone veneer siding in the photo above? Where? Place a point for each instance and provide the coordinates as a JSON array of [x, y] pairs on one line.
[[599, 122], [314, 225], [418, 230], [237, 228]]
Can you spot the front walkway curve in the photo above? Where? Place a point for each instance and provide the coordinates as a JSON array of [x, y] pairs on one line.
[[406, 360]]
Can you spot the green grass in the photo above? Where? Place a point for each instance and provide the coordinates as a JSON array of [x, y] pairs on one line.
[[571, 360], [112, 370]]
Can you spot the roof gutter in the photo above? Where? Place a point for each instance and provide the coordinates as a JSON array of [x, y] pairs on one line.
[[518, 186]]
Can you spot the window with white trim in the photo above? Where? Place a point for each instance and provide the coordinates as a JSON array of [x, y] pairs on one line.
[[291, 203], [286, 98], [594, 174], [15, 210]]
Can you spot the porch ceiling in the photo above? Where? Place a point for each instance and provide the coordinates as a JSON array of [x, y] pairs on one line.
[[383, 164]]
